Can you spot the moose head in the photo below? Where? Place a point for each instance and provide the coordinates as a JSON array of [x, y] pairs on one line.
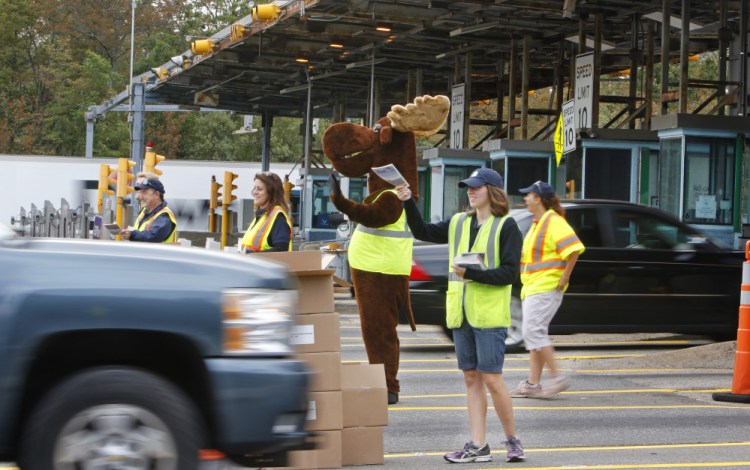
[[354, 149]]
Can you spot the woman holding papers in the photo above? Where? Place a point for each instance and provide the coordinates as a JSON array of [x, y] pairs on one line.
[[478, 302]]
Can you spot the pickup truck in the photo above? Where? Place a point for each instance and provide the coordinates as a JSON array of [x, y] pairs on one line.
[[136, 356]]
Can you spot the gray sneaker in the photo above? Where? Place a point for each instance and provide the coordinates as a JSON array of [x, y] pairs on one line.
[[470, 453], [526, 390], [555, 386], [515, 450]]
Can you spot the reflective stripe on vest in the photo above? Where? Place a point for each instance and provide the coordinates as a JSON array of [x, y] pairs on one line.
[[386, 250], [486, 306], [257, 235], [541, 263], [145, 225]]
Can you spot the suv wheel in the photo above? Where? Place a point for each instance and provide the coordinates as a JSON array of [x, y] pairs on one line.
[[112, 418]]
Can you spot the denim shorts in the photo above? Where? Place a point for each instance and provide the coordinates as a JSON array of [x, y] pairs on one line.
[[481, 349]]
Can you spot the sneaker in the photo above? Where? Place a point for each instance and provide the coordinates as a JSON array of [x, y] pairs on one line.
[[515, 450], [470, 453], [526, 390], [556, 385]]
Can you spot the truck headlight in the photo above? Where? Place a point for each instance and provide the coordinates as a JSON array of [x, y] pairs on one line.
[[258, 321]]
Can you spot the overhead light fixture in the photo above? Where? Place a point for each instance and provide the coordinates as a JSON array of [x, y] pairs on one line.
[[161, 73], [458, 51], [474, 28], [202, 46], [365, 63], [247, 127], [674, 21], [606, 45], [301, 60], [326, 75], [336, 45], [179, 60], [292, 89], [569, 7], [383, 28]]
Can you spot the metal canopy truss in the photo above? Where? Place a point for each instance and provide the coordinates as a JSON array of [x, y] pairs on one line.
[[338, 41]]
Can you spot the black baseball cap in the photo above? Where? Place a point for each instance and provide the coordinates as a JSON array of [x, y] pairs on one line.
[[481, 177], [541, 188], [150, 183]]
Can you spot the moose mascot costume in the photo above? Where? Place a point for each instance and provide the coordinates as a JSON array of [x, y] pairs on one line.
[[380, 250]]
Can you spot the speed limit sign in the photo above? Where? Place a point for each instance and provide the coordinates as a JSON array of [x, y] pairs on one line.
[[569, 126]]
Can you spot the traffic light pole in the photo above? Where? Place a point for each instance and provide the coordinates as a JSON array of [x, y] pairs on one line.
[[139, 121]]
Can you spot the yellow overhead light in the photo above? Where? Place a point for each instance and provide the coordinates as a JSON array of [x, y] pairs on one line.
[[383, 28], [336, 45], [202, 46], [237, 31], [266, 12], [302, 60]]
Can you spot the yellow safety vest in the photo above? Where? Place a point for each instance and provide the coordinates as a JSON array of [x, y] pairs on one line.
[[143, 225], [486, 306], [385, 250], [546, 247], [258, 233]]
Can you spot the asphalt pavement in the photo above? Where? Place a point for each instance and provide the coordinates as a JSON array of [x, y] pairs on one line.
[[638, 401]]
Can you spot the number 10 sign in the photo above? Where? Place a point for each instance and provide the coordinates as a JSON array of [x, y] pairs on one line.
[[584, 87]]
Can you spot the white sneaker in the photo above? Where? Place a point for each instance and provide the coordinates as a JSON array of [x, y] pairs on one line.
[[526, 390], [556, 385]]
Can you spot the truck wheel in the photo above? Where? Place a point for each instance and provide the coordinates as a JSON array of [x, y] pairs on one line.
[[114, 418]]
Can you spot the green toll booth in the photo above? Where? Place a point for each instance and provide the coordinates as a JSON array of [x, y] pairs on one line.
[[446, 168]]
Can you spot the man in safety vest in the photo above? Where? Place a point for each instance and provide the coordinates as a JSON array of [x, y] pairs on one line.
[[156, 223], [550, 250]]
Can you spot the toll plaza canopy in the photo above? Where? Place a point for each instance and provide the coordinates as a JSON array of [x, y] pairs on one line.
[[414, 47]]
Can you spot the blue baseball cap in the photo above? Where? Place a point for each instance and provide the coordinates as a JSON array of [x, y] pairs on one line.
[[150, 183], [541, 188], [481, 177]]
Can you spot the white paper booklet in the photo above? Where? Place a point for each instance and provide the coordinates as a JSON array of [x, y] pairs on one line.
[[471, 259], [390, 174]]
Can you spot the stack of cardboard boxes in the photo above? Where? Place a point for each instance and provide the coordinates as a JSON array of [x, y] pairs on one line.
[[348, 406]]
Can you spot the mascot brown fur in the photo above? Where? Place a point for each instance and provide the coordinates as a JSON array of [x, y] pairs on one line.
[[354, 150]]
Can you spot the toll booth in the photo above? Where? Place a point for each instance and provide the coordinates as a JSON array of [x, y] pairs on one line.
[[447, 168], [424, 181], [619, 164], [521, 163], [700, 171], [321, 216]]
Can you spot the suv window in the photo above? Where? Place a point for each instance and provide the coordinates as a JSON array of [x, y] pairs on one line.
[[646, 231], [586, 224]]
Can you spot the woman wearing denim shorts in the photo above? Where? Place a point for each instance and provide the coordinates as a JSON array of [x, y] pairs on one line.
[[478, 302]]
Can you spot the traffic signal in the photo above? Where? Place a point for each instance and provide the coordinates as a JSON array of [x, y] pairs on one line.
[[124, 177], [106, 179], [215, 199], [229, 177], [151, 160]]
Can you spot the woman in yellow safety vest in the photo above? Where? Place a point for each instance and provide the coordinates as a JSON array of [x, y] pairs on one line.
[[478, 302], [550, 250], [271, 229]]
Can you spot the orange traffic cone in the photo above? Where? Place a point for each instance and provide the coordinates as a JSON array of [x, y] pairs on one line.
[[741, 382]]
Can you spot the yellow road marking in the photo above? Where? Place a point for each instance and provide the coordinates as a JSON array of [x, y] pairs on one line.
[[608, 448], [597, 371], [575, 408], [585, 392]]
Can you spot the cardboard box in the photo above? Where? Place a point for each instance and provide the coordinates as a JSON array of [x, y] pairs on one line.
[[314, 291], [364, 393], [314, 284], [326, 455], [326, 368], [324, 411], [317, 332], [362, 446]]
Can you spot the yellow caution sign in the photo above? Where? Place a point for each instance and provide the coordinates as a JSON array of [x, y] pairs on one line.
[[559, 140]]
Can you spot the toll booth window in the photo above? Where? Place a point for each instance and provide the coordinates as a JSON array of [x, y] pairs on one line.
[[522, 172], [322, 205], [670, 160], [709, 181], [607, 173], [454, 198], [357, 189]]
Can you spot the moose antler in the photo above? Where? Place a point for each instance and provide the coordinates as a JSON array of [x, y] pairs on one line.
[[424, 117]]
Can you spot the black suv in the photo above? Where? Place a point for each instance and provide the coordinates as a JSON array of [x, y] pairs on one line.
[[642, 271]]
